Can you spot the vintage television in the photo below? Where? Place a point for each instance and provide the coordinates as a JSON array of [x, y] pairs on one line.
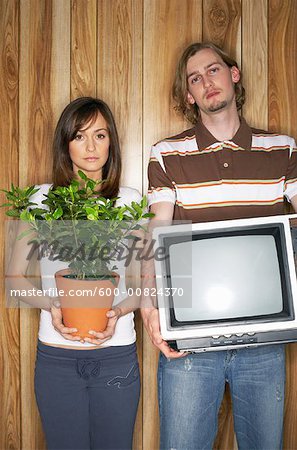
[[227, 284]]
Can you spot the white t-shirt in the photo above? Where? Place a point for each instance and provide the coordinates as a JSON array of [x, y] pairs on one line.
[[125, 331]]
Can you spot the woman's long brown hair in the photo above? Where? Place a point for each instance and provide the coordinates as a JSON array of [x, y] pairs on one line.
[[76, 115]]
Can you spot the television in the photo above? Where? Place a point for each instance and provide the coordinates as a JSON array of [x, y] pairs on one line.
[[227, 284]]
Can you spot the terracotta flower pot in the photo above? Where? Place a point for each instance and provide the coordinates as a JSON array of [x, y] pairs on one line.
[[84, 303]]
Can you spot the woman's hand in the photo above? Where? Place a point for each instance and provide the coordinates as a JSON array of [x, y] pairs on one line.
[[60, 327], [103, 336]]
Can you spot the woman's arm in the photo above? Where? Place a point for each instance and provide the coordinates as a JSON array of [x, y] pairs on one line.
[[16, 279], [18, 282]]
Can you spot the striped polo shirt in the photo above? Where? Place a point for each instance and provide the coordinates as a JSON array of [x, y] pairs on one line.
[[207, 180]]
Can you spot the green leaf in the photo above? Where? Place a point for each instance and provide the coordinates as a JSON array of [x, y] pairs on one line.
[[31, 190], [91, 184], [136, 207], [11, 196], [38, 211], [57, 213], [143, 202], [91, 217], [90, 210], [82, 175], [13, 213], [26, 215]]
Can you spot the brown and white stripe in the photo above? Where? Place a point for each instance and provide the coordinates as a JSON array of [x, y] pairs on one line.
[[209, 180]]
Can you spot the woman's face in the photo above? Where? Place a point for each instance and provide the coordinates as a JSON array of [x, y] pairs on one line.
[[89, 149]]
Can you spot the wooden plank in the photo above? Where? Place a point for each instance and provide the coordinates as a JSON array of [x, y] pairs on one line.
[[225, 439], [255, 62], [36, 126], [290, 420], [36, 122], [119, 78], [61, 51], [10, 424], [83, 48], [165, 37], [282, 17], [282, 66], [222, 25]]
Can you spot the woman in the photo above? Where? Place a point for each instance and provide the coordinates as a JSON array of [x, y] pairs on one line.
[[87, 391]]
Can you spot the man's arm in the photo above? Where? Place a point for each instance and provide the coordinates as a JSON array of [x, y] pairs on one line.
[[163, 216], [294, 203]]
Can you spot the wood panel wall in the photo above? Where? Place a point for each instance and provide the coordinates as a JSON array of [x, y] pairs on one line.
[[10, 412], [52, 51]]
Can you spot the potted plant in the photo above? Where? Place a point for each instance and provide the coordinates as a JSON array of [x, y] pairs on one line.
[[89, 233]]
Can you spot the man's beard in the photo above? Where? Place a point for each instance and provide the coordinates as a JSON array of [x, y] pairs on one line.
[[218, 106]]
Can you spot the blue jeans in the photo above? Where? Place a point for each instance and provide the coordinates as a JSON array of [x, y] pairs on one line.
[[191, 390]]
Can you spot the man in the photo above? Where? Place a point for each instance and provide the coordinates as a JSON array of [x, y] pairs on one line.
[[219, 169]]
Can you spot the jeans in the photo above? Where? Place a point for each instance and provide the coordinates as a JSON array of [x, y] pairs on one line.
[[87, 399], [191, 390]]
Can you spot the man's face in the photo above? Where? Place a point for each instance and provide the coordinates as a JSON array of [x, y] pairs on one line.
[[210, 82]]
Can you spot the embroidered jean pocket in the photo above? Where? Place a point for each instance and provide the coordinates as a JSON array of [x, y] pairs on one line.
[[126, 379]]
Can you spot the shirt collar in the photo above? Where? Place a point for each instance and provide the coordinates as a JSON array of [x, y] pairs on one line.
[[242, 138]]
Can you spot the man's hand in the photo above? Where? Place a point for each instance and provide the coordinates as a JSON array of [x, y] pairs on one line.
[[103, 336], [151, 322], [163, 212], [60, 327]]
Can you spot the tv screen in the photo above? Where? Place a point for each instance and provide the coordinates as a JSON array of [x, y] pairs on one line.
[[223, 278]]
